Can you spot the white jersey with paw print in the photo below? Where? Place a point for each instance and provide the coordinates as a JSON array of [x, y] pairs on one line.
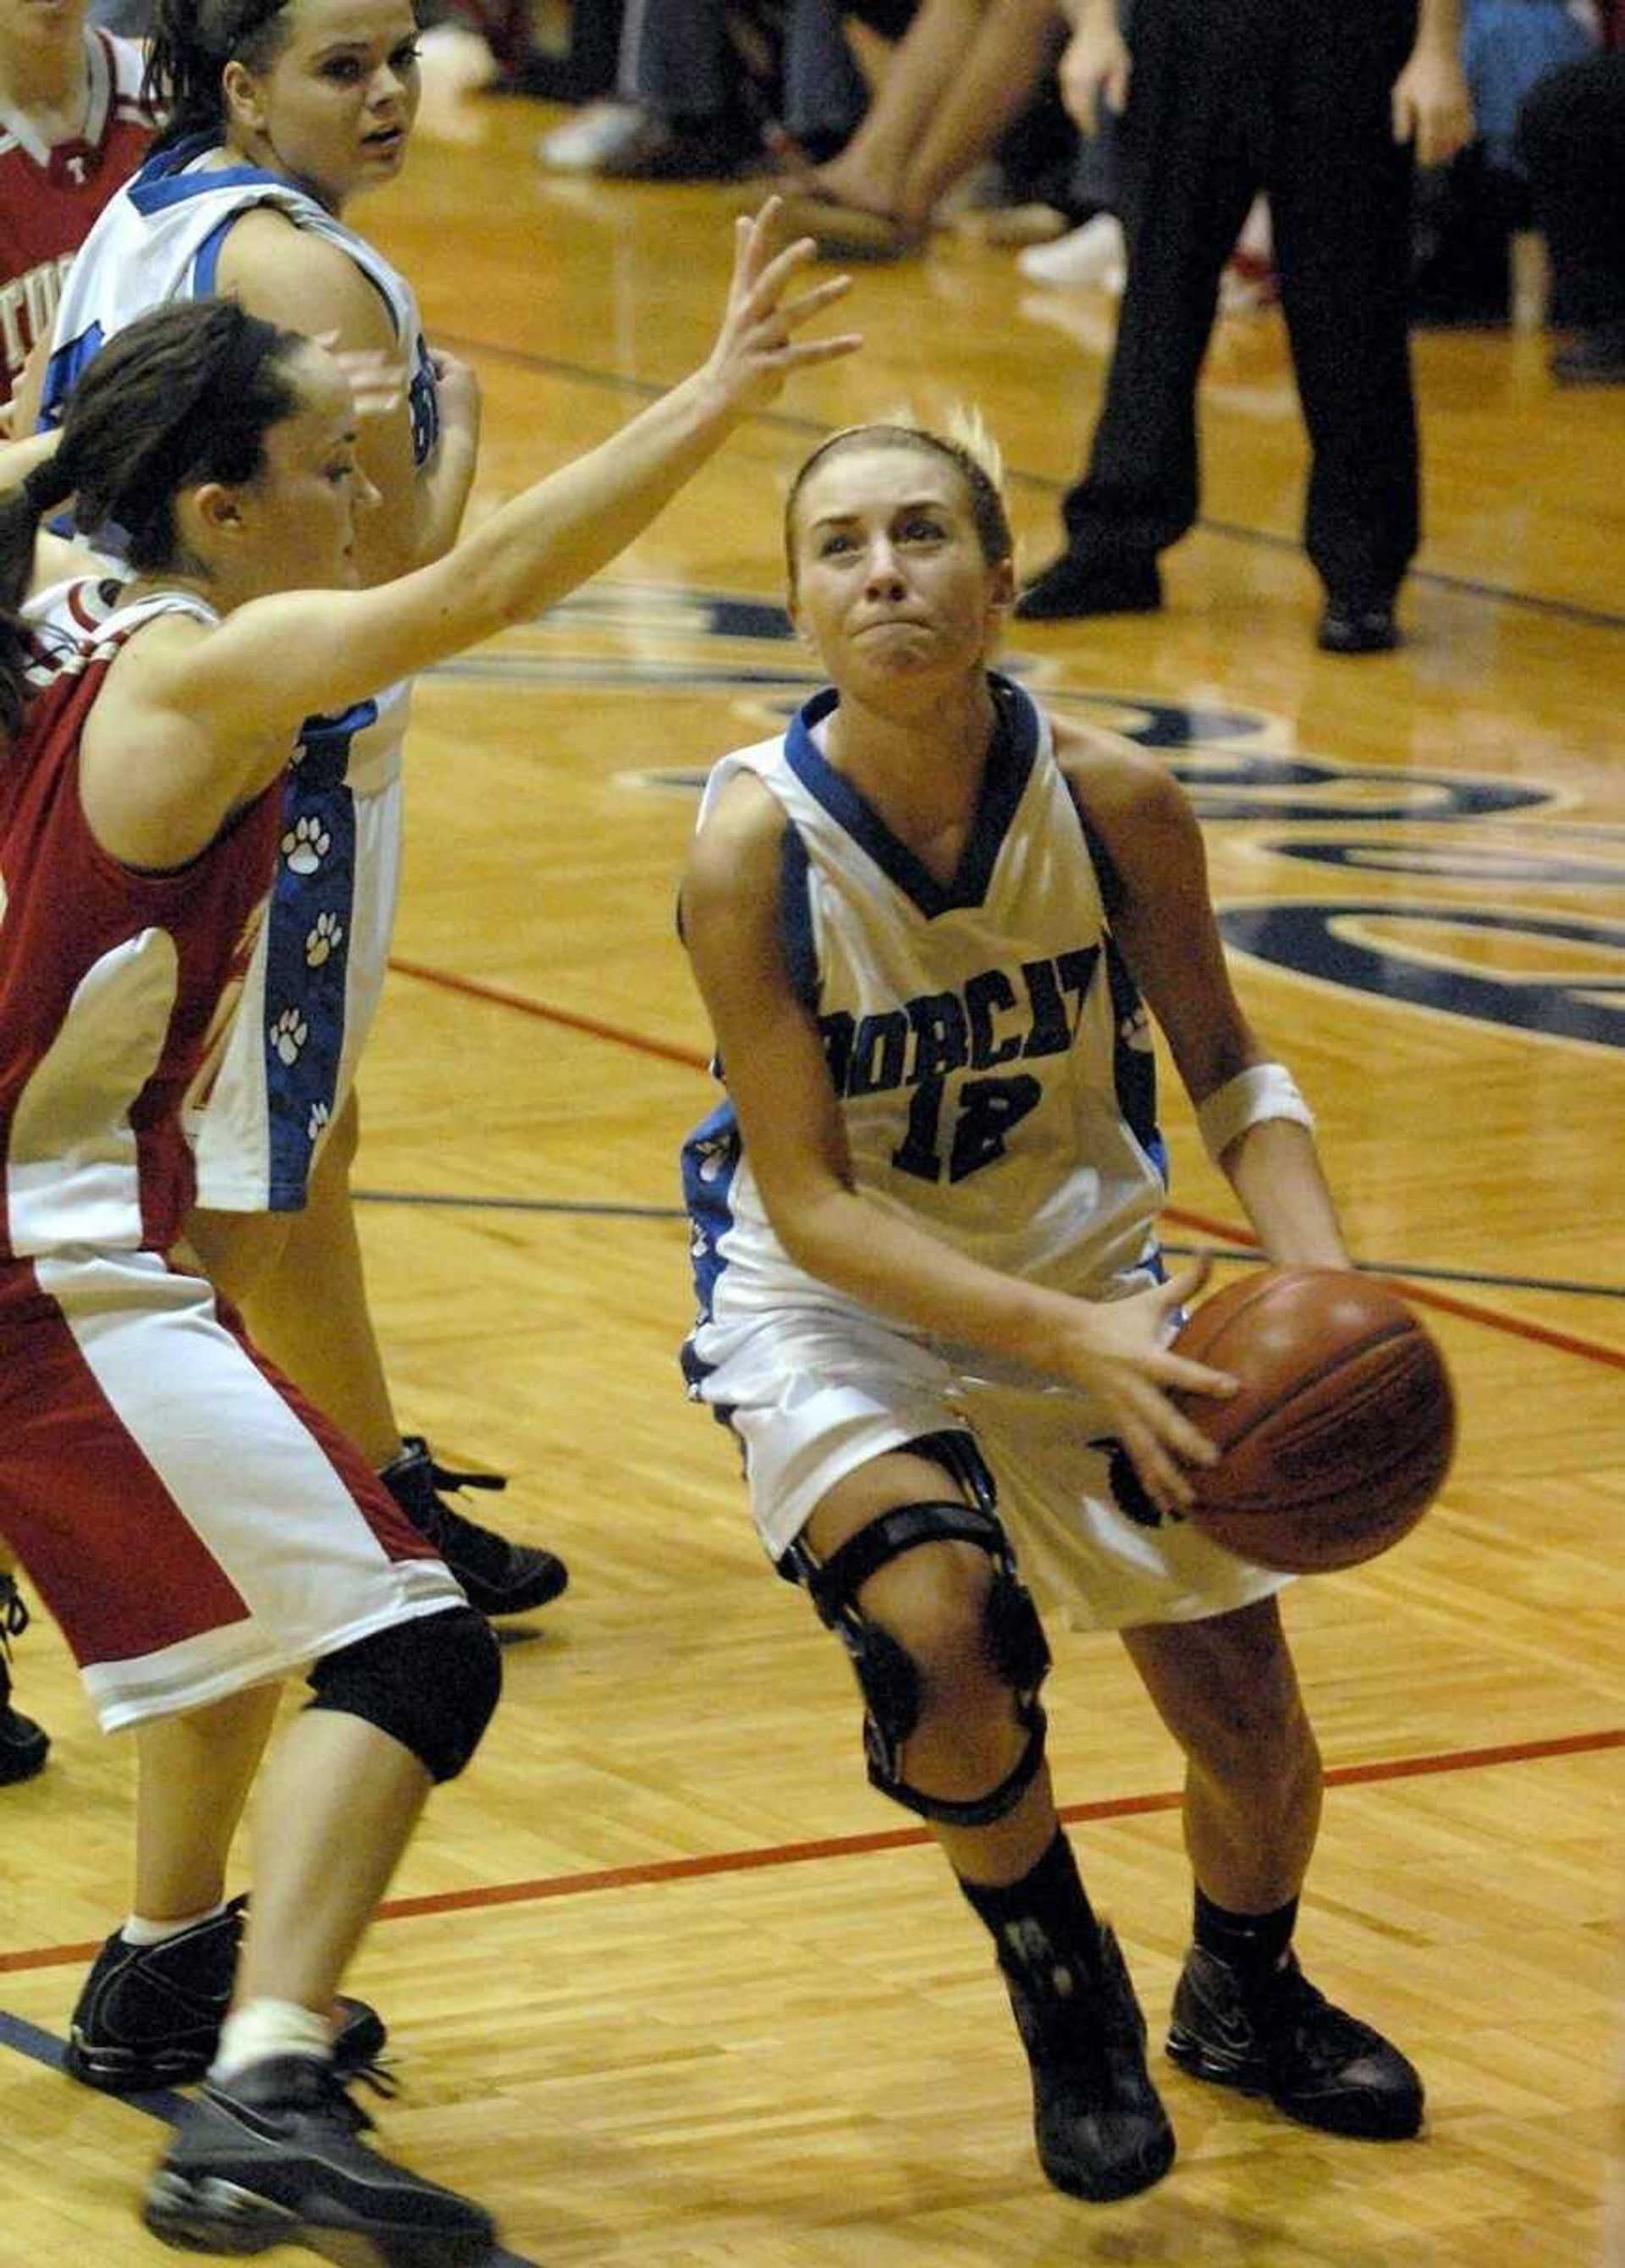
[[309, 997], [993, 1066]]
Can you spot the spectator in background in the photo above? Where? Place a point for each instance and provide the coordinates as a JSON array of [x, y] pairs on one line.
[[72, 131], [1571, 134], [968, 79], [1466, 210], [704, 88], [1326, 109]]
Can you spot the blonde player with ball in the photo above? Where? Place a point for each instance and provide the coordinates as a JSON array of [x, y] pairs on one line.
[[932, 1307]]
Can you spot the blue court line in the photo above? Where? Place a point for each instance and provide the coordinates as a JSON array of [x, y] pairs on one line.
[[786, 421], [568, 1207], [44, 2047], [26, 2039]]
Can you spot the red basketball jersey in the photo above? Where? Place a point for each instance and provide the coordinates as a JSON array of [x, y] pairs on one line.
[[110, 981], [50, 193]]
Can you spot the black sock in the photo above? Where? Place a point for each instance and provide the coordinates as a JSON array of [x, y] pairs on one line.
[[1044, 1918], [1252, 1944]]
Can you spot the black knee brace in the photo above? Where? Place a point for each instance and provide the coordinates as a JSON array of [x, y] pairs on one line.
[[431, 1684], [887, 1674]]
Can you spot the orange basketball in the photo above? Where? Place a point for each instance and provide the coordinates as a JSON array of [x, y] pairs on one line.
[[1343, 1432]]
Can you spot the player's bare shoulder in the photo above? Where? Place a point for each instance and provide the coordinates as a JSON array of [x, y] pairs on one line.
[[734, 857], [1131, 802], [1112, 778], [295, 277]]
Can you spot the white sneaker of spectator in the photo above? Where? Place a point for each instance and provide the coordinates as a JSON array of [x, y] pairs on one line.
[[455, 59], [1092, 254], [594, 134]]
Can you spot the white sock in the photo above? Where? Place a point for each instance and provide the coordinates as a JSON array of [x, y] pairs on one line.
[[139, 1931], [270, 2028]]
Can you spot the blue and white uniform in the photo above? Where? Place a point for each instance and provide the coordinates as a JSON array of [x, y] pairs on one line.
[[994, 1067], [311, 992]]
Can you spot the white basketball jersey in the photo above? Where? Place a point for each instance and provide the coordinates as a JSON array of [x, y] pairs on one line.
[[990, 1054], [159, 239]]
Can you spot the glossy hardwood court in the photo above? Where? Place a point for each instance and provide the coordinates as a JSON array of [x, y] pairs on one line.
[[671, 1986]]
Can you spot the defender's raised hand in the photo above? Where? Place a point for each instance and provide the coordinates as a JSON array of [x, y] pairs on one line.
[[756, 348]]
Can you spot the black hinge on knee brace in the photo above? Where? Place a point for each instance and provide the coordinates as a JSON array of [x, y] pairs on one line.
[[977, 1811]]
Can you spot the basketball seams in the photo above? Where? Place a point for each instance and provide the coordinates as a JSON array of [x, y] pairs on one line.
[[1309, 1382], [1344, 1426]]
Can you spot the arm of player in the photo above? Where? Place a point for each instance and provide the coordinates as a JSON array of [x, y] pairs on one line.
[[1162, 917], [283, 657], [23, 409], [300, 282], [774, 1062]]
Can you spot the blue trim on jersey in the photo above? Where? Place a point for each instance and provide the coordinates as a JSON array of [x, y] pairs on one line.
[[710, 1159], [162, 181], [308, 923], [66, 367], [1009, 768], [206, 260], [1134, 1068], [796, 918]]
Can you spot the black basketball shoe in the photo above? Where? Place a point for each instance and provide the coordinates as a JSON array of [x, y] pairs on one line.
[[274, 2156], [24, 1745], [150, 2015], [498, 1577], [1101, 2131], [1318, 2063]]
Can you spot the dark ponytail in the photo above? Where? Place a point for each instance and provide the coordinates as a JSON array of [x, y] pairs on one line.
[[21, 510], [183, 394], [189, 47]]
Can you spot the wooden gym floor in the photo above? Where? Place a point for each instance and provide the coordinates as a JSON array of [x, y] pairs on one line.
[[671, 1986]]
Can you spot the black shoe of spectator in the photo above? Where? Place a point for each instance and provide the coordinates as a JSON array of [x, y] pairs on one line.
[[1595, 357], [1071, 587], [150, 2015], [1357, 626], [498, 1577], [1101, 2130], [1320, 2066], [274, 2156], [24, 1745]]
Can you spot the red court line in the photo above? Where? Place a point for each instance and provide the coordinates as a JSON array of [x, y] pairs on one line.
[[1421, 1295], [896, 1838], [475, 989], [1418, 1295]]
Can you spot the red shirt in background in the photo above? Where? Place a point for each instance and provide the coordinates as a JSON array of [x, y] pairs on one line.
[[50, 194]]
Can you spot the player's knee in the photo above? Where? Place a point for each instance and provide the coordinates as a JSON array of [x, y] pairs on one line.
[[935, 1604], [431, 1684], [962, 1628]]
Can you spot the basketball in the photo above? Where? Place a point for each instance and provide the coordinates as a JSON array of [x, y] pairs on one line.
[[1343, 1432]]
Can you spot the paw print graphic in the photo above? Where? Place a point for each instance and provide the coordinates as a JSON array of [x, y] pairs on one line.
[[324, 939], [289, 1035], [699, 1243], [306, 844], [715, 1156], [318, 1119], [1135, 1030]]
